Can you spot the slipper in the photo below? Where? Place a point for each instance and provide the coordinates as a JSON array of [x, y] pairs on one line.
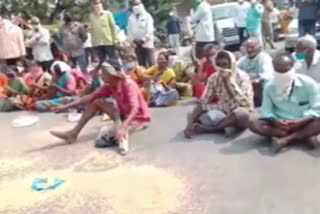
[[41, 184]]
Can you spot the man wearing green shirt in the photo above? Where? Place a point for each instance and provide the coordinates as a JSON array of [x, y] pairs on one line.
[[291, 107], [103, 31], [254, 19]]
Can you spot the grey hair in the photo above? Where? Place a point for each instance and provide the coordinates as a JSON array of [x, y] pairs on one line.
[[308, 41], [254, 40]]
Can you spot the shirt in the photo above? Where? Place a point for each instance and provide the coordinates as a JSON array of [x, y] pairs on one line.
[[303, 102], [314, 70], [307, 12], [260, 65], [11, 41], [88, 43], [240, 86], [241, 14], [203, 19], [128, 98], [141, 28], [267, 11], [73, 37], [254, 16], [18, 85], [103, 29], [173, 25], [40, 44], [168, 76]]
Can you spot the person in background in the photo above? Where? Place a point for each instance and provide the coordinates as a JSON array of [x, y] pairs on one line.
[[12, 47], [174, 31], [204, 27], [161, 83], [88, 46], [134, 70], [127, 109], [267, 28], [73, 37], [254, 20], [37, 81], [240, 17], [16, 85], [184, 71], [234, 89], [258, 64], [307, 16], [141, 34], [103, 32], [39, 41], [122, 18], [204, 69], [62, 89], [308, 57], [291, 107]]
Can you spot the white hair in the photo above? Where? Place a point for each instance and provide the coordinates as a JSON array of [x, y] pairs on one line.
[[308, 41]]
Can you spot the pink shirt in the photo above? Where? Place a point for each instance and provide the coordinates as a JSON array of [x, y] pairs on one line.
[[128, 97]]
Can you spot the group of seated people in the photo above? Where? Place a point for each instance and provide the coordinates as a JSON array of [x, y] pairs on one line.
[[227, 90]]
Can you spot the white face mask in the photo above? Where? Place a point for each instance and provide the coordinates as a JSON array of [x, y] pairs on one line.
[[138, 9], [283, 83], [223, 72]]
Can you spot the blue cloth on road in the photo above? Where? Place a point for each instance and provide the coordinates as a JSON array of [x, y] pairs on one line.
[[41, 184]]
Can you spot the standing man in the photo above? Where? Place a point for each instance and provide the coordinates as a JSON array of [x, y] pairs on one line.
[[12, 46], [73, 37], [254, 19], [174, 30], [204, 28], [307, 16], [141, 34], [240, 18], [103, 31], [40, 44]]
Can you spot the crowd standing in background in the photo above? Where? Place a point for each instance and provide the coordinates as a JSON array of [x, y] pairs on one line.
[[91, 69]]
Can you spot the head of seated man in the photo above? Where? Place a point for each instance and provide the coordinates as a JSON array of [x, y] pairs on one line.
[[290, 110], [253, 47], [308, 57]]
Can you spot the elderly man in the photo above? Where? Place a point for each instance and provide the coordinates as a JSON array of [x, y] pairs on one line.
[[204, 27], [258, 65], [308, 57], [39, 41], [128, 109], [103, 31], [233, 87], [291, 106], [141, 34]]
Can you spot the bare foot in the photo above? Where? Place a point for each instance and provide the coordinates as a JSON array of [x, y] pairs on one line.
[[188, 132], [278, 144], [68, 137], [314, 142]]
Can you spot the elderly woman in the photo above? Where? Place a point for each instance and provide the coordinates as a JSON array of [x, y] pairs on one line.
[[127, 109], [234, 89], [161, 87], [61, 91]]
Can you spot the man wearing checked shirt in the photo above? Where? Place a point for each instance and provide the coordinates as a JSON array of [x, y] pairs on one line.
[[291, 107]]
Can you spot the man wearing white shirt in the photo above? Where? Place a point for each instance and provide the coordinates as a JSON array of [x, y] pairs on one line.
[[308, 57], [141, 33], [240, 18], [40, 44], [204, 28]]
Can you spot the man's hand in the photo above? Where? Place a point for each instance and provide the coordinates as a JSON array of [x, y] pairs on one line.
[[60, 108], [121, 132], [281, 124]]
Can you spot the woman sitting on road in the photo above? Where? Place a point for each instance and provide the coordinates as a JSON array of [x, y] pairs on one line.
[[61, 91]]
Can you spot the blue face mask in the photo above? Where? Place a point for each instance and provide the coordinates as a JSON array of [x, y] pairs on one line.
[[301, 56]]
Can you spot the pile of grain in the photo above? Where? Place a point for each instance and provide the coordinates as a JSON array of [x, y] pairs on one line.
[[14, 166], [125, 190]]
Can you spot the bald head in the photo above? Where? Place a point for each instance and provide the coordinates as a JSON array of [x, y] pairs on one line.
[[283, 62], [253, 47], [307, 41]]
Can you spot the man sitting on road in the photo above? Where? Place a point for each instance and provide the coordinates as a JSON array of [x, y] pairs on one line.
[[308, 57], [258, 65], [291, 106], [234, 89], [127, 109]]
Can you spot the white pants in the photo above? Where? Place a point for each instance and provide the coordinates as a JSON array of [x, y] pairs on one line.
[[174, 41]]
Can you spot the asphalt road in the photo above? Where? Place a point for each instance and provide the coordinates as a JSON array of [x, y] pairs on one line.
[[219, 175]]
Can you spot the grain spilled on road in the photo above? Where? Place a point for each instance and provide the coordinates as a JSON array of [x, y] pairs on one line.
[[125, 190]]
